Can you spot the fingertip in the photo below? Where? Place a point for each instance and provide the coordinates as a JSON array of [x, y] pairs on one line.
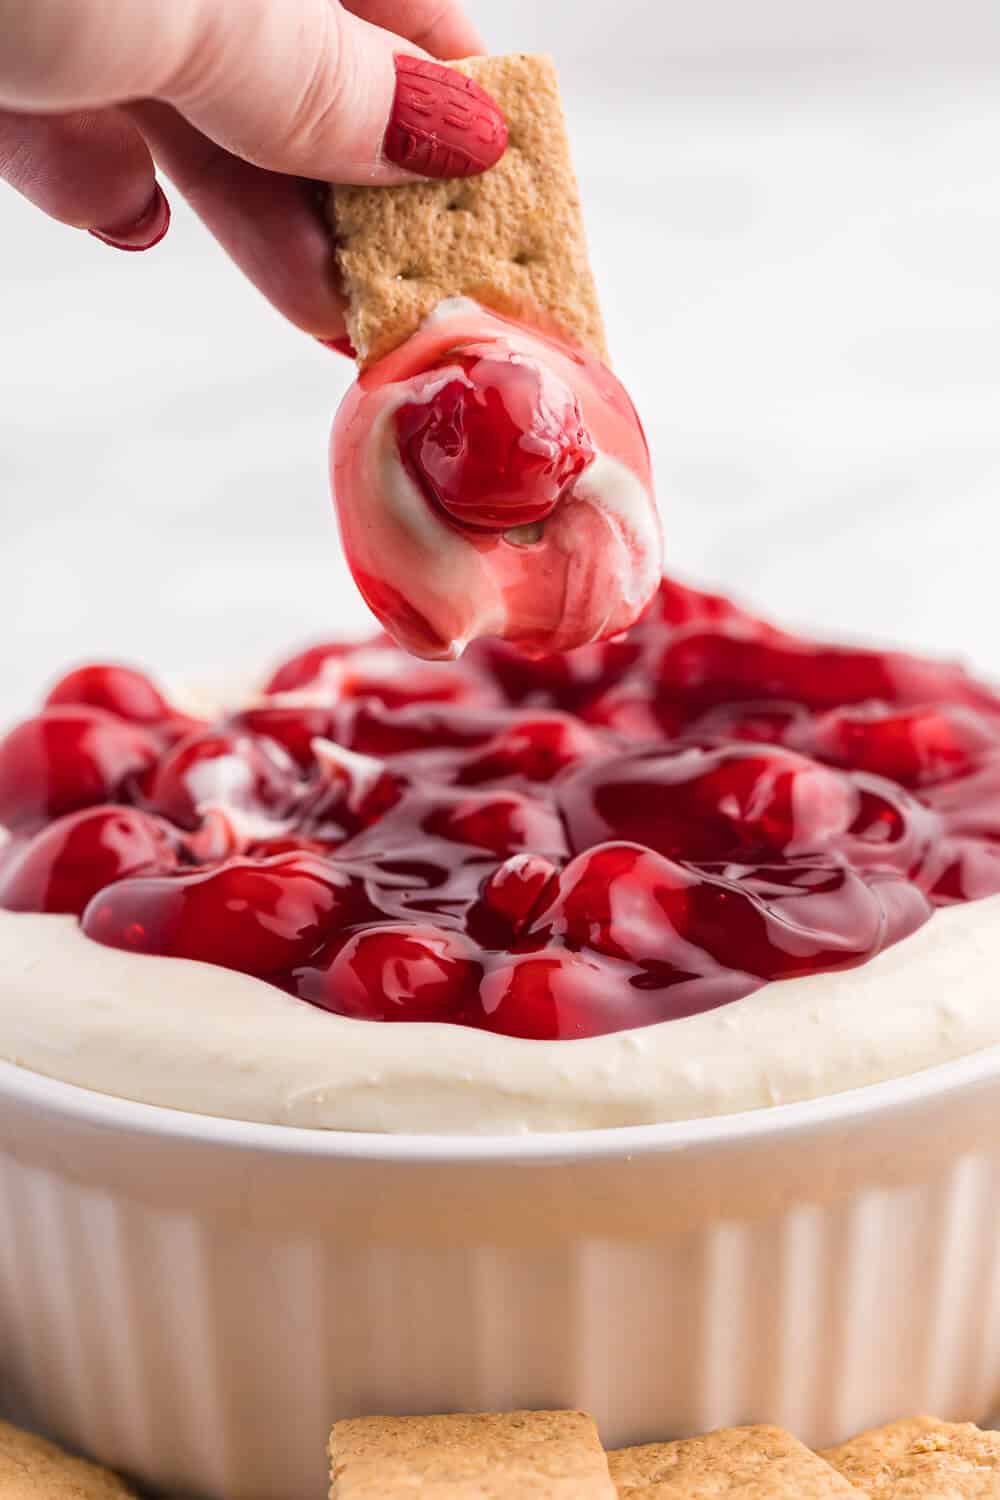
[[87, 170], [143, 232]]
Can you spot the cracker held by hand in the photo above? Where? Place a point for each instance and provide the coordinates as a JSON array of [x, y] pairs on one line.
[[922, 1459], [31, 1469], [755, 1463], [520, 1455], [511, 239]]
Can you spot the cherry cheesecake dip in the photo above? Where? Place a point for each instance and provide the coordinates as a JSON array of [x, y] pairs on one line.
[[703, 867]]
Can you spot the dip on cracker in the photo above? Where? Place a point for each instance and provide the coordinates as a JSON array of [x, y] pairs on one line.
[[490, 473]]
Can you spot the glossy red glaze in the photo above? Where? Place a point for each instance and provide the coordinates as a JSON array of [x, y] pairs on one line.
[[548, 849]]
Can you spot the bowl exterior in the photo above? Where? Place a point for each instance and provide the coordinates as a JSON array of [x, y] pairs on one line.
[[195, 1306]]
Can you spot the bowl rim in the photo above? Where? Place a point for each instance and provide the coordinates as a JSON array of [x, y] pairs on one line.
[[52, 1098]]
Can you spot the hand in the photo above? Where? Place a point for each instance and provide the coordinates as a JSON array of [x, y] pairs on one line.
[[246, 104]]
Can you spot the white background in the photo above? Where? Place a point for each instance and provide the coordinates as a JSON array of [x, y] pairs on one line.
[[795, 218]]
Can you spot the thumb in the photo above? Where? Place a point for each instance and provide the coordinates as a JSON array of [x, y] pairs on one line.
[[308, 88]]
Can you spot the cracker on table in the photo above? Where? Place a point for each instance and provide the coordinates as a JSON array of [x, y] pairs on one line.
[[537, 1455], [754, 1463], [511, 238], [922, 1459], [32, 1469]]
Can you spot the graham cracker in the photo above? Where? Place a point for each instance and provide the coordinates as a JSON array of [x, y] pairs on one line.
[[537, 1455], [512, 238], [32, 1469], [922, 1459], [755, 1463]]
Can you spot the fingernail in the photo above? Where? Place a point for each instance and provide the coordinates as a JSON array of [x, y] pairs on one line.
[[442, 123], [145, 231], [342, 345]]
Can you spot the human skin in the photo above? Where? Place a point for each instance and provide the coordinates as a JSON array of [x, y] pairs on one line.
[[245, 104]]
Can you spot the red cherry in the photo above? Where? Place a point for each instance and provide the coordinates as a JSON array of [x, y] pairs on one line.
[[497, 445], [375, 729], [783, 921], [306, 669], [379, 670], [354, 790], [971, 870], [396, 972], [562, 997], [221, 770], [535, 749], [502, 822], [61, 868], [915, 747], [66, 758], [120, 690], [630, 710], [518, 888], [677, 605], [621, 900], [968, 805], [713, 666], [293, 728], [564, 681], [265, 848], [696, 803], [402, 682], [892, 831], [759, 722], [262, 917]]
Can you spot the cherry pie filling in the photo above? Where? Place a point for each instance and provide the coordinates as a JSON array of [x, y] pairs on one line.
[[637, 831]]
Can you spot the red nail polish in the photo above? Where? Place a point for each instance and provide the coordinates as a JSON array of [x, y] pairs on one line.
[[145, 231], [442, 123], [342, 345]]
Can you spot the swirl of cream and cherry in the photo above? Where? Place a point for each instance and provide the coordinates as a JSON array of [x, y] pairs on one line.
[[492, 479]]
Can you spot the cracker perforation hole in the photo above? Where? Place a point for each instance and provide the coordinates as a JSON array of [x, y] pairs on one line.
[[523, 258], [410, 273]]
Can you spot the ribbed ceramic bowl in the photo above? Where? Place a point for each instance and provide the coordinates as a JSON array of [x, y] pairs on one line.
[[194, 1300]]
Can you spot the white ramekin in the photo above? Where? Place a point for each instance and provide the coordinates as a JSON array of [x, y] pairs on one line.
[[194, 1300]]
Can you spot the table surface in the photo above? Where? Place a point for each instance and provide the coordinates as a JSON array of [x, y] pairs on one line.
[[800, 264]]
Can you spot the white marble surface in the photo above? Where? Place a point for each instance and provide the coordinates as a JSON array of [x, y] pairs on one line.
[[800, 260]]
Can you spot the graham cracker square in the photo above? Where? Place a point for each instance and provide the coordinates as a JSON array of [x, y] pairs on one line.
[[520, 1455], [32, 1469], [922, 1459], [512, 238], [754, 1463]]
